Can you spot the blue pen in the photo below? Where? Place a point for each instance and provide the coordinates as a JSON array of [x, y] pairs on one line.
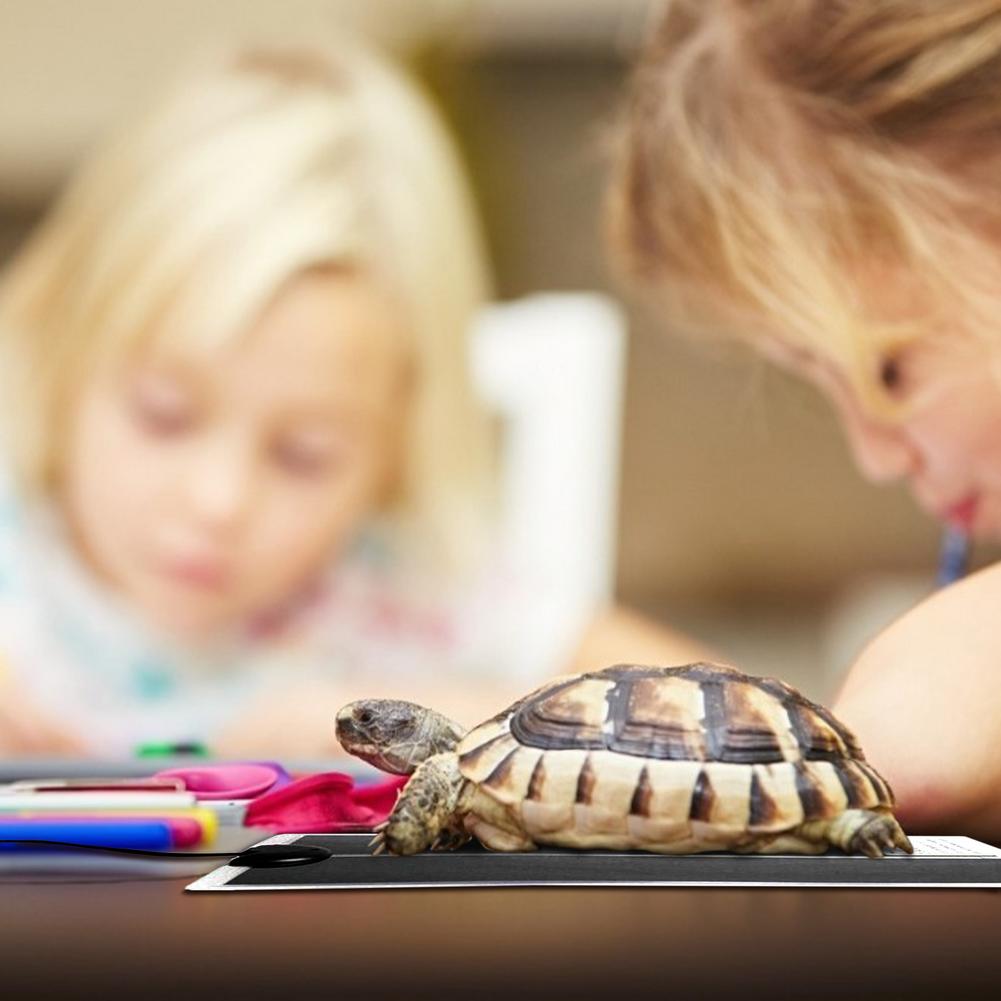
[[954, 556], [125, 833]]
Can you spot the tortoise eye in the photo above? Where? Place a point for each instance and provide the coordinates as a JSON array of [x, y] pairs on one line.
[[365, 717]]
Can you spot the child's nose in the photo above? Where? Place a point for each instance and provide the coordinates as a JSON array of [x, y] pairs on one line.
[[883, 452], [220, 486]]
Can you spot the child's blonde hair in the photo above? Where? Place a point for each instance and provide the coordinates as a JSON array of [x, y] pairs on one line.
[[782, 156], [262, 165]]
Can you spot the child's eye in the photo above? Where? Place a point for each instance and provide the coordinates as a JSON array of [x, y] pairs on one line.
[[303, 458], [162, 410]]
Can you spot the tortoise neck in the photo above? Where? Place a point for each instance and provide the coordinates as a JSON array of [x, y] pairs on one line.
[[434, 734]]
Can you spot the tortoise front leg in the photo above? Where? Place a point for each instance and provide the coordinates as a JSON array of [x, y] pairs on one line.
[[449, 840], [425, 810]]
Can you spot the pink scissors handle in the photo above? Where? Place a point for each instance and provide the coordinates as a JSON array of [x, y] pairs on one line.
[[244, 781]]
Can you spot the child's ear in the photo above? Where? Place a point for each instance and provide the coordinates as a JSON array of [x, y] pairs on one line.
[[390, 490], [391, 483]]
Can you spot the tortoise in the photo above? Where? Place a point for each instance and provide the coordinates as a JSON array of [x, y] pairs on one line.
[[692, 758]]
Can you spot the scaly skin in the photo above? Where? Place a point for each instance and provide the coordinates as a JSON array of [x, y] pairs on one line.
[[426, 813], [860, 832], [393, 735]]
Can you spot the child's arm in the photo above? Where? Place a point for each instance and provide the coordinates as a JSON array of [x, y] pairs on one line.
[[25, 730], [924, 699], [621, 636], [296, 721]]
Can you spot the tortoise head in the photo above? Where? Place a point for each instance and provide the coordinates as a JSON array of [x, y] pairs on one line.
[[393, 735]]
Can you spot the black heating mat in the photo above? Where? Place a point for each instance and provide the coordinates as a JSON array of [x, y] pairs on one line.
[[953, 862]]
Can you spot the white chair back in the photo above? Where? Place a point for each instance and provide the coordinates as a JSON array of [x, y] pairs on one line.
[[552, 367]]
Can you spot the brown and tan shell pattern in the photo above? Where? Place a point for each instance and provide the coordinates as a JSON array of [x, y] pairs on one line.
[[673, 759]]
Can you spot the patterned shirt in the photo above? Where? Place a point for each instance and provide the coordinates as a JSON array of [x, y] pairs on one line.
[[79, 651]]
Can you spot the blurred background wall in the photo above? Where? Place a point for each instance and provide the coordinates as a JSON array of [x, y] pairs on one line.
[[741, 516]]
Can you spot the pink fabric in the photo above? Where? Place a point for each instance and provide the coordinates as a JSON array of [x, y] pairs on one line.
[[325, 803]]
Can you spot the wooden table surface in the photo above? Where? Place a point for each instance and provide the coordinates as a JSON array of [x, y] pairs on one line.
[[150, 939]]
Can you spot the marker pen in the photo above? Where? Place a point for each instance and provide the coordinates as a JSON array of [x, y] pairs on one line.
[[954, 556], [105, 802], [145, 834], [189, 748]]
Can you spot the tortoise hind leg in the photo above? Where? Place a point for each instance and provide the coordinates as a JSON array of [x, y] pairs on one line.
[[865, 832]]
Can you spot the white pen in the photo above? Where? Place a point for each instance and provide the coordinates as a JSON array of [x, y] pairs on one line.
[[63, 802]]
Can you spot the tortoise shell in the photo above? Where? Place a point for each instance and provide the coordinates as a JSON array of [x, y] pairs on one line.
[[668, 756]]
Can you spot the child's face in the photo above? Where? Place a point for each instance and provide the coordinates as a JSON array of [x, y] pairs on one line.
[[209, 489], [947, 441]]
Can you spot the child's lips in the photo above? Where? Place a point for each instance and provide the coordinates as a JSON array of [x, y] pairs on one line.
[[963, 514], [205, 575]]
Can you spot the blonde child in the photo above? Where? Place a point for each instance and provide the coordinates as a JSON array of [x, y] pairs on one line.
[[245, 477], [823, 179]]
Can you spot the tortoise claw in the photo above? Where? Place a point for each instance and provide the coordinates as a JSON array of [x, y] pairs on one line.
[[378, 842], [902, 841], [879, 835], [448, 840], [870, 847]]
